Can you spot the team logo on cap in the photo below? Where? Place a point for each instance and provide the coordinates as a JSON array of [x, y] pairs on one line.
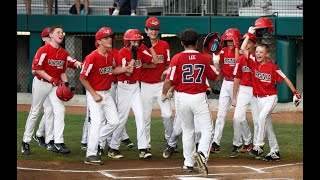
[[155, 23], [107, 31]]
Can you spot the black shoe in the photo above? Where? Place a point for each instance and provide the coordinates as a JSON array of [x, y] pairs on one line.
[[25, 148], [235, 151], [83, 146], [187, 168], [113, 153], [94, 160], [100, 151], [144, 154], [51, 147], [168, 151], [40, 140], [61, 148], [202, 163], [215, 148], [128, 143], [257, 151], [272, 156]]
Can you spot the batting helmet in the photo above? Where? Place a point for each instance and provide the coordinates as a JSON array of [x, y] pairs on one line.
[[153, 23], [252, 37], [212, 44], [132, 34], [45, 32], [103, 33], [64, 93], [230, 33], [263, 25]]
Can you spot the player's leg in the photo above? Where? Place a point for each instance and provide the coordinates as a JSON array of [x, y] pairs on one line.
[[43, 131], [147, 102], [224, 105], [40, 90], [166, 111], [137, 108], [255, 117], [274, 154], [86, 122]]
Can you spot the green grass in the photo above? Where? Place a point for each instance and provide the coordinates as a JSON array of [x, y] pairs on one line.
[[289, 136]]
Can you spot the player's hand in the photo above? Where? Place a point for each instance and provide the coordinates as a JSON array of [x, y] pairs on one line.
[[54, 81], [97, 97], [78, 64], [164, 97], [134, 50], [236, 42], [146, 41], [296, 98], [215, 58], [234, 102], [252, 30], [170, 94]]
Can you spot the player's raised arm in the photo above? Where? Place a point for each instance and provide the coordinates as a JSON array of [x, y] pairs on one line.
[[251, 30]]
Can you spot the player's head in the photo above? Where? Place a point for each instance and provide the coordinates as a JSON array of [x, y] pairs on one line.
[[45, 35], [56, 34], [251, 43], [152, 27], [262, 52], [105, 36], [229, 35], [189, 37], [263, 25], [132, 37]]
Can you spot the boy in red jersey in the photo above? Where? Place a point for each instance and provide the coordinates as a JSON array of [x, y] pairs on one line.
[[50, 63], [265, 76], [128, 90], [95, 77], [188, 72], [151, 83], [228, 56]]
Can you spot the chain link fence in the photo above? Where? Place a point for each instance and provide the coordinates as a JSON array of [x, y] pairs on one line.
[[81, 44]]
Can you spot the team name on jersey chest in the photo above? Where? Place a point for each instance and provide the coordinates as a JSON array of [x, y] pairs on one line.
[[105, 70], [161, 58], [231, 61], [137, 63], [246, 69], [264, 77], [55, 62]]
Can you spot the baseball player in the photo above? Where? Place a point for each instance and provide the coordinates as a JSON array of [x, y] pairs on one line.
[[151, 84], [50, 64], [242, 97], [41, 133], [128, 90], [188, 72], [266, 75], [95, 77], [228, 56], [125, 137]]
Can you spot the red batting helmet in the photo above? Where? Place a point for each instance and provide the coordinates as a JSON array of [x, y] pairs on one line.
[[64, 93], [153, 23], [45, 32], [212, 44], [230, 33], [104, 32], [252, 37], [263, 25], [131, 34]]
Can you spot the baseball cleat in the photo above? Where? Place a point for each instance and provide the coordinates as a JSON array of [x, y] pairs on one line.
[[187, 168], [61, 148], [257, 151], [40, 140], [235, 151], [128, 143], [215, 148], [93, 160], [272, 156], [246, 148], [83, 146], [201, 162], [144, 154], [115, 154], [168, 151], [25, 148]]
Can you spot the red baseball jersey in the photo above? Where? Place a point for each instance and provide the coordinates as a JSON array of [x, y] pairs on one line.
[[265, 76], [153, 75], [53, 61], [189, 70], [228, 62], [97, 70], [242, 71], [124, 58]]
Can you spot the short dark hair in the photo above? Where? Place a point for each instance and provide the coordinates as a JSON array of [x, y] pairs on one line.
[[189, 37]]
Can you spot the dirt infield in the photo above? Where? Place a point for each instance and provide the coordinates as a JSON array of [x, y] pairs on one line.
[[219, 168]]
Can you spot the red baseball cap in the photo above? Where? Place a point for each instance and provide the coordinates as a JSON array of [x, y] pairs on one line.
[[45, 32], [104, 32], [153, 23]]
